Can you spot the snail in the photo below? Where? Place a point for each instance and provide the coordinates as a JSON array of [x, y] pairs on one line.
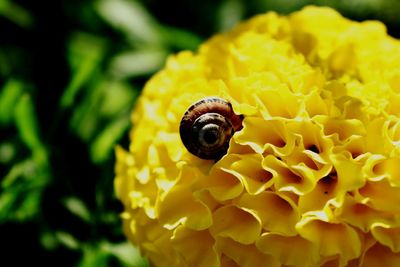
[[207, 126]]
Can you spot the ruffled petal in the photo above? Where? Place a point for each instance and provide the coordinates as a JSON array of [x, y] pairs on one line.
[[379, 255], [388, 235], [277, 213], [249, 171], [152, 238], [262, 135], [236, 223], [389, 168], [124, 180], [295, 179], [340, 129], [244, 255], [193, 214], [221, 183], [361, 215], [382, 196], [324, 191], [349, 173], [289, 250], [331, 238], [196, 247], [270, 109]]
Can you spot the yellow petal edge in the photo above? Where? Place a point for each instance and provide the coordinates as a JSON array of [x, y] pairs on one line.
[[312, 179]]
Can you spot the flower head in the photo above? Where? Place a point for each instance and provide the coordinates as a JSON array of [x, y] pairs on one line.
[[312, 176]]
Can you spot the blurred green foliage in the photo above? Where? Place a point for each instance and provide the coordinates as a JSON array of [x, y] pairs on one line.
[[69, 76]]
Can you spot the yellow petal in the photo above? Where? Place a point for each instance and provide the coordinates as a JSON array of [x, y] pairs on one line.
[[278, 214], [249, 171], [362, 215], [123, 168], [261, 135], [388, 235], [379, 255], [288, 178], [331, 238], [172, 143], [317, 199], [244, 255], [195, 247], [222, 184], [342, 129], [316, 105], [382, 196], [389, 168], [194, 214], [270, 109], [349, 173], [293, 250], [236, 223]]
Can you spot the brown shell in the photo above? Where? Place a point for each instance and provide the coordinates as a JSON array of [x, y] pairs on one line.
[[218, 113]]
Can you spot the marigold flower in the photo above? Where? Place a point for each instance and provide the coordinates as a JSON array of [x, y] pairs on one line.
[[312, 178]]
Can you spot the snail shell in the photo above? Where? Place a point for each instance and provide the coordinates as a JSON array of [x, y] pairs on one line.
[[207, 126]]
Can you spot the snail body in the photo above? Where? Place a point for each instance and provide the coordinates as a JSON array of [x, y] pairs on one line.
[[207, 126]]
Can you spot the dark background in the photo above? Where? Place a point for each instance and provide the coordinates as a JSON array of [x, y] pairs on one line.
[[70, 72]]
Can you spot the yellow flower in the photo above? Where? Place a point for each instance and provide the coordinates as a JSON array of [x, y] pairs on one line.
[[312, 178]]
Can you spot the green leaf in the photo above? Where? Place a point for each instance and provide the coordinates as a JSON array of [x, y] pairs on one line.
[[7, 153], [125, 253], [77, 207], [180, 39], [22, 192], [137, 63], [230, 13], [9, 96], [131, 18], [104, 143], [101, 107], [25, 119], [7, 199], [67, 240], [85, 52], [93, 257], [118, 97], [48, 240], [16, 14], [86, 115], [30, 205], [25, 168]]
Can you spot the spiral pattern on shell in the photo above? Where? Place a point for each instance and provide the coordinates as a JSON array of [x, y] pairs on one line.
[[207, 126]]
